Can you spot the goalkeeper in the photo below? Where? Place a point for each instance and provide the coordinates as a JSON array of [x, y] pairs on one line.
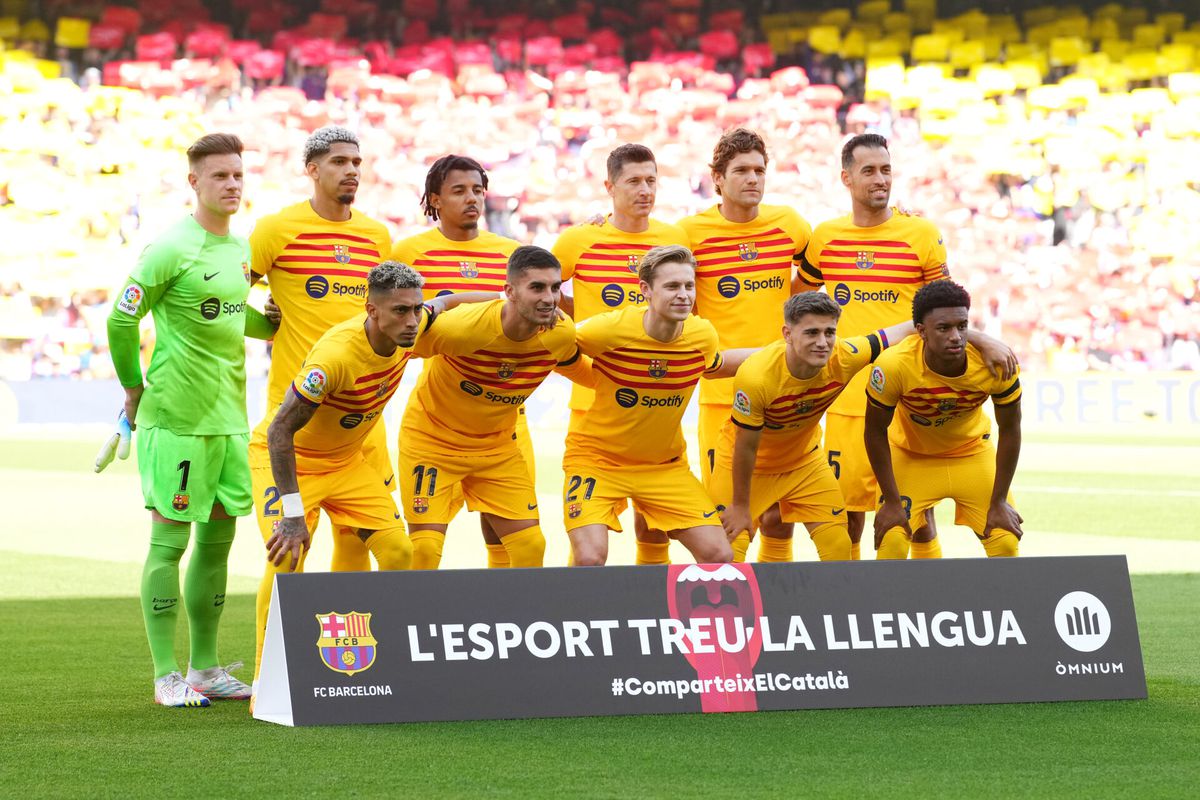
[[190, 417]]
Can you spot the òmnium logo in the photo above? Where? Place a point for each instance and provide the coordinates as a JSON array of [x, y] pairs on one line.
[[1082, 621]]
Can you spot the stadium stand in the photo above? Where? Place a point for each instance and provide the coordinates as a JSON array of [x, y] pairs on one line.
[[1057, 147]]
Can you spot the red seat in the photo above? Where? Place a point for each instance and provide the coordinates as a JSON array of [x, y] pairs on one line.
[[731, 20], [606, 41], [719, 44], [123, 17], [509, 49], [757, 57], [542, 50], [265, 65], [106, 36], [332, 26], [241, 49], [156, 47], [578, 55], [789, 80], [473, 53], [421, 9], [570, 26], [206, 43]]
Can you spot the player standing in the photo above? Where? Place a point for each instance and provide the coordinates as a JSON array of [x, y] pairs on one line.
[[745, 251], [315, 255], [314, 455], [872, 262], [601, 261], [456, 256], [941, 445], [458, 438], [191, 416], [629, 445]]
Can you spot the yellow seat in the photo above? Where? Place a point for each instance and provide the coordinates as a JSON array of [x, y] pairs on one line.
[[1050, 97], [1065, 51], [994, 79], [48, 69], [1026, 74], [885, 48], [1186, 37], [1108, 11], [873, 10], [1104, 28], [1148, 102], [1041, 35], [825, 39], [1142, 65], [897, 21], [35, 30], [1131, 17], [1092, 64], [1080, 91], [854, 45], [1115, 49], [72, 32], [1172, 21], [992, 45], [836, 16], [1149, 36], [780, 40], [885, 78], [10, 27], [1113, 78], [965, 55], [930, 47], [1077, 25], [1177, 58]]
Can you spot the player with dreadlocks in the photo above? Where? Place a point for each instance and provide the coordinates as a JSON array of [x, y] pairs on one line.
[[456, 256]]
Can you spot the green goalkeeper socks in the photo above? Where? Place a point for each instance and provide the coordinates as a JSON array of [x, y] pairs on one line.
[[204, 588], [160, 592]]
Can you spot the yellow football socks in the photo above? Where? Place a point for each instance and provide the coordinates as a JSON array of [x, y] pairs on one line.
[[526, 548], [832, 541], [927, 549], [392, 549], [1001, 543], [893, 546], [774, 550], [740, 545], [497, 556], [653, 553]]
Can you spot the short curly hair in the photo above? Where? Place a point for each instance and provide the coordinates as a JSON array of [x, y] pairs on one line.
[[731, 145], [437, 176], [322, 141], [389, 276], [938, 294]]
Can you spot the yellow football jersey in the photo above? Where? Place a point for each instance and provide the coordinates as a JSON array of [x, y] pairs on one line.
[[317, 273], [469, 394], [937, 415], [873, 274], [786, 409], [642, 388], [448, 266], [743, 277], [602, 261], [350, 383]]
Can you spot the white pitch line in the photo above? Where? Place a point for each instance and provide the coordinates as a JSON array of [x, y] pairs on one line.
[[1098, 490]]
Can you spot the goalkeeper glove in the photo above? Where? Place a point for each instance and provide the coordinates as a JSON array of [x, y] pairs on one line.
[[117, 444]]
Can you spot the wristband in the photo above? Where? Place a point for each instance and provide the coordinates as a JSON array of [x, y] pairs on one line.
[[293, 506]]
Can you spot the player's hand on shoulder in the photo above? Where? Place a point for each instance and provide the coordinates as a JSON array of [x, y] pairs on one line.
[[1003, 516], [890, 515], [905, 211], [597, 220]]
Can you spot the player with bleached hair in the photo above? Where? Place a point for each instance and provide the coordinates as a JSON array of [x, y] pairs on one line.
[[190, 414]]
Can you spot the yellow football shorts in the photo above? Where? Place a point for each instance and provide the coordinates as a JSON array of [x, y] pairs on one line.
[[924, 481], [847, 456], [434, 485], [808, 493], [668, 495]]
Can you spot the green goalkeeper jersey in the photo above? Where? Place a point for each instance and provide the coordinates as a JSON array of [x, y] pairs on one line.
[[195, 283]]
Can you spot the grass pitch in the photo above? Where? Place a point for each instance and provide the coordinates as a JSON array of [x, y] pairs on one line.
[[75, 695]]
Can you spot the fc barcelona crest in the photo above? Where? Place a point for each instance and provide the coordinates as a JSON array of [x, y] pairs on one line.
[[804, 406], [382, 390], [246, 270], [346, 644], [634, 263], [420, 505], [180, 502], [748, 251], [947, 404], [341, 253], [658, 368], [468, 269], [574, 510], [505, 371], [865, 259]]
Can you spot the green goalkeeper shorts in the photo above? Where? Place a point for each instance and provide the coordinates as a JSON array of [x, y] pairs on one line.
[[183, 476]]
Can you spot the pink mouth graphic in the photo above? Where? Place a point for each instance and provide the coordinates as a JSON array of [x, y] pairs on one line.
[[728, 596]]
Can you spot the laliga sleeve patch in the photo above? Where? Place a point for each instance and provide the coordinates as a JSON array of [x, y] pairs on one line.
[[741, 403], [877, 379], [314, 383], [131, 299]]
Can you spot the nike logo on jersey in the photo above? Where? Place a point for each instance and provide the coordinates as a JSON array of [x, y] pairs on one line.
[[531, 506], [837, 511], [397, 516], [388, 482], [714, 511], [853, 349], [208, 277]]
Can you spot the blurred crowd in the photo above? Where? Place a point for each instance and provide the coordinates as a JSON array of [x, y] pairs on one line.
[[1080, 260]]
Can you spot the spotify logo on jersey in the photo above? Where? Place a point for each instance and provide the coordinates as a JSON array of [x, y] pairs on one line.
[[317, 286], [841, 293], [472, 389], [351, 421], [210, 308], [729, 286], [612, 295], [627, 398]]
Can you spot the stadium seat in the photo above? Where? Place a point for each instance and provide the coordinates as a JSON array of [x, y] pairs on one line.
[[757, 57], [72, 32], [825, 39], [897, 21], [930, 47], [106, 37], [123, 17], [156, 47], [265, 65], [837, 17], [789, 80], [965, 55], [873, 10], [541, 50], [854, 44], [1148, 36], [1065, 51], [719, 44], [570, 27]]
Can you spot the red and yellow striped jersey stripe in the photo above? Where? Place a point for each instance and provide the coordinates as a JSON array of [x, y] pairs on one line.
[[477, 265]]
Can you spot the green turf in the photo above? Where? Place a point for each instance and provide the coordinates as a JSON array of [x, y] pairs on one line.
[[75, 708]]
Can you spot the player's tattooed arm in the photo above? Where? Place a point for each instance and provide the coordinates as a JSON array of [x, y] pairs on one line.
[[1008, 451], [291, 537], [730, 361], [736, 518], [891, 512], [999, 357]]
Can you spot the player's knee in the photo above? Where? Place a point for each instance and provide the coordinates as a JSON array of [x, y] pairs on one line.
[[894, 546], [714, 551], [391, 548], [1001, 544], [587, 557], [427, 549], [832, 541]]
